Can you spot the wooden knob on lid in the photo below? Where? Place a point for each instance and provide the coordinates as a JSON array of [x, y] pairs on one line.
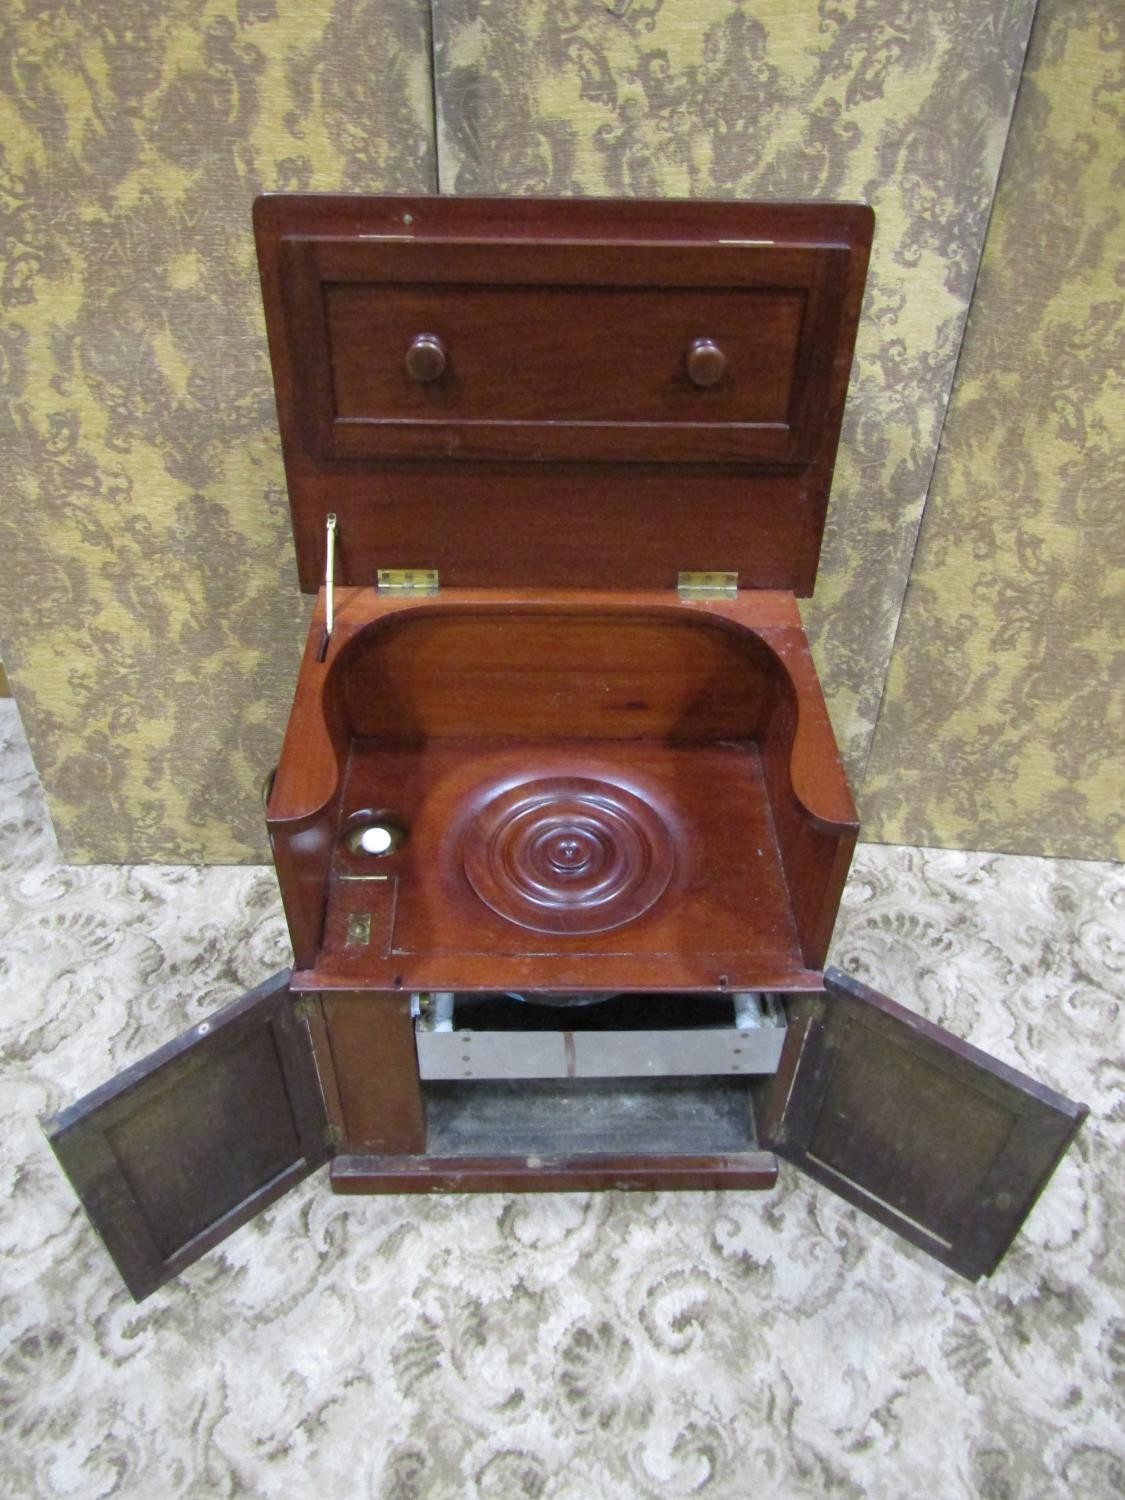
[[425, 358], [706, 363]]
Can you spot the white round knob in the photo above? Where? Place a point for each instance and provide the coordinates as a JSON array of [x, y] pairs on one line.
[[376, 840]]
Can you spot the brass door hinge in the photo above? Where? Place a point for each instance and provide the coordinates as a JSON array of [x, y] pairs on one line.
[[401, 581], [707, 585]]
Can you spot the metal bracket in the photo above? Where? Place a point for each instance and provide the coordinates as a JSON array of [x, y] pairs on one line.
[[403, 581], [707, 585], [359, 929]]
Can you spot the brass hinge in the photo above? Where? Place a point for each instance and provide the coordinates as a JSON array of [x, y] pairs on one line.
[[400, 581], [333, 1136], [707, 585]]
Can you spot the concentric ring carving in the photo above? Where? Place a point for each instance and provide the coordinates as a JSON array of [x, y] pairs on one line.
[[568, 855]]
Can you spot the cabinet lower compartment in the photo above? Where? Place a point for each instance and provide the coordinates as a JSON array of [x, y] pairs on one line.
[[627, 1116], [916, 1128], [549, 1135], [518, 1095]]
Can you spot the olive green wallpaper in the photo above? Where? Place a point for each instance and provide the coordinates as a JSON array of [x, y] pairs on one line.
[[1004, 717], [903, 105], [149, 614]]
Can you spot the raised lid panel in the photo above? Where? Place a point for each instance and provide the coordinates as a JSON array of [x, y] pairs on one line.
[[562, 351], [669, 362]]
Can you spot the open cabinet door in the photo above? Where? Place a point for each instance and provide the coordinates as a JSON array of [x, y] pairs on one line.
[[179, 1150], [919, 1129]]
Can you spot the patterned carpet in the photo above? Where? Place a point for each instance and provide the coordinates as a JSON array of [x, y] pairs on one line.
[[570, 1346]]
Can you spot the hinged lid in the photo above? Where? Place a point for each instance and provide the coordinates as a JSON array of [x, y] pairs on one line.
[[561, 393]]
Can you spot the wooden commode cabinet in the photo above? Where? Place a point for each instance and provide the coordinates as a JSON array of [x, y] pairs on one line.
[[559, 820]]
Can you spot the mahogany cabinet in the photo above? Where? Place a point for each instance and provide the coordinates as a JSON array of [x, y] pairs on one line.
[[559, 820]]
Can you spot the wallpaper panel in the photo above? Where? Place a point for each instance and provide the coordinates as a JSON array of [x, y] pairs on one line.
[[1004, 718], [904, 105], [149, 612]]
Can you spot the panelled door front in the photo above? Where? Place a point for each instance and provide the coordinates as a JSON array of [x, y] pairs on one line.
[[922, 1131], [180, 1149]]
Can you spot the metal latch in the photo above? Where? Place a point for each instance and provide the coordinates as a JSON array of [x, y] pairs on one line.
[[707, 585], [400, 581]]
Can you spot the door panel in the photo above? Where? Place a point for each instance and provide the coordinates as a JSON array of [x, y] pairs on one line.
[[180, 1149], [922, 1131]]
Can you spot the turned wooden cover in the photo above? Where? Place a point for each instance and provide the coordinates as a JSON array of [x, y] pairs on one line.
[[561, 393]]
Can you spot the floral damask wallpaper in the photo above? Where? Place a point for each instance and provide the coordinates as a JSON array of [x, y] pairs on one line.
[[1005, 709], [150, 617], [903, 105]]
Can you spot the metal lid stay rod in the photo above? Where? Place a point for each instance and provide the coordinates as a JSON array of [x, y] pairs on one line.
[[330, 574]]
